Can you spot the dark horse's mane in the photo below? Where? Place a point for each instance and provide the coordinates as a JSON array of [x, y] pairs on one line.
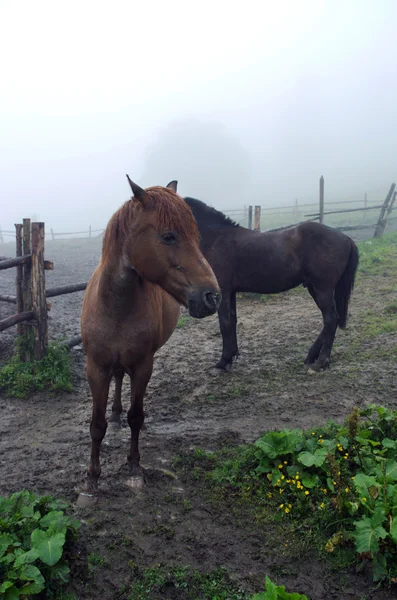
[[172, 214], [207, 216]]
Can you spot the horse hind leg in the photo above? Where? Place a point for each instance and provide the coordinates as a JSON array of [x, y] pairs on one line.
[[315, 349], [323, 345], [117, 408]]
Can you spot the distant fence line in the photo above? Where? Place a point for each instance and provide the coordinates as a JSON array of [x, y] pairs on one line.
[[385, 209]]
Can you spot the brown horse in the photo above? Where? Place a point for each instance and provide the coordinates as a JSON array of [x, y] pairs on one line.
[[322, 259], [151, 264]]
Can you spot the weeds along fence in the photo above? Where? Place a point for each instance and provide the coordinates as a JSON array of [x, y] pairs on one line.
[[31, 293]]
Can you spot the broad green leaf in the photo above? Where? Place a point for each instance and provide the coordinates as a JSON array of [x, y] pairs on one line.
[[49, 545], [26, 557], [310, 459], [393, 530], [279, 443], [61, 572], [5, 541], [5, 585], [36, 581], [378, 516], [364, 483], [391, 471], [56, 521], [379, 566], [388, 443], [367, 536], [12, 593], [309, 480], [343, 441]]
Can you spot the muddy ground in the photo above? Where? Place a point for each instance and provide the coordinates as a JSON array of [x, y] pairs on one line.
[[45, 444]]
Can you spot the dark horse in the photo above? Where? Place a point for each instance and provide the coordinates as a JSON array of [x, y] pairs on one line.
[[322, 259], [151, 264]]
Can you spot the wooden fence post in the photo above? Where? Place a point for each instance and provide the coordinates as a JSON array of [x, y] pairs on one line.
[[39, 302], [250, 217], [257, 218], [381, 224], [52, 234], [321, 211], [18, 281], [89, 231], [26, 293]]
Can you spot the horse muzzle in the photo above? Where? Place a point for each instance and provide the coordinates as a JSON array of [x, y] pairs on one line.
[[203, 303]]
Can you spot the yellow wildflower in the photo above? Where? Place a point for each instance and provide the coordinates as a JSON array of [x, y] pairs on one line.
[[281, 506], [296, 476], [280, 466], [282, 476], [322, 505], [346, 490], [307, 493], [364, 499], [286, 510], [285, 462]]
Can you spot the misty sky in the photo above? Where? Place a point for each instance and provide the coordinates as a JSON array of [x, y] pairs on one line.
[[307, 88]]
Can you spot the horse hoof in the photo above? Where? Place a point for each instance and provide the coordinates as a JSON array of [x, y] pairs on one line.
[[135, 482], [86, 499]]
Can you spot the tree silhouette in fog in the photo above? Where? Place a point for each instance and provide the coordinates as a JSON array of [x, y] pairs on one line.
[[208, 161]]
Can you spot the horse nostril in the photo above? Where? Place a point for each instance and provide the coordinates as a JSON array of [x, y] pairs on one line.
[[211, 299]]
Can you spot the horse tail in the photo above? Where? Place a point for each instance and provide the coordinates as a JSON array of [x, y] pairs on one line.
[[345, 285]]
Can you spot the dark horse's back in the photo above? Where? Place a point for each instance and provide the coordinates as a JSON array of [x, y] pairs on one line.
[[322, 259]]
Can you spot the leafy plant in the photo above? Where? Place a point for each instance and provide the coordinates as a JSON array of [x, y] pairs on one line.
[[33, 534], [339, 479], [53, 372], [277, 592]]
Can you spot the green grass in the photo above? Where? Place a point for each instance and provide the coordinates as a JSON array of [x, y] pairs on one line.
[[183, 319], [53, 373], [378, 256], [159, 581]]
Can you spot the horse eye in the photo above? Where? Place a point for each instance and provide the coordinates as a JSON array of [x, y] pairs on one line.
[[169, 238]]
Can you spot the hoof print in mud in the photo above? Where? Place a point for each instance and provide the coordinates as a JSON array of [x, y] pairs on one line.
[[135, 483]]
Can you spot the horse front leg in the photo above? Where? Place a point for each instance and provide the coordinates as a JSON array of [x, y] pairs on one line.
[[227, 315], [99, 382], [139, 380]]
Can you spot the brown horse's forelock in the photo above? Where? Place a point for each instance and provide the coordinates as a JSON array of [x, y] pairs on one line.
[[173, 214]]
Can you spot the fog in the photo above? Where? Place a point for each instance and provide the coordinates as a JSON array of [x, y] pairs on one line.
[[243, 103]]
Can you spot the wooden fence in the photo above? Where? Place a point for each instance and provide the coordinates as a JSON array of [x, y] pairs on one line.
[[31, 293], [385, 209]]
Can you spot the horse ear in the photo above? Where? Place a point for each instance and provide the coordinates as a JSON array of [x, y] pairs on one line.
[[138, 192], [173, 185]]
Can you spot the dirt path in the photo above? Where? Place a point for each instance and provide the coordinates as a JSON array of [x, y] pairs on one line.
[[44, 441]]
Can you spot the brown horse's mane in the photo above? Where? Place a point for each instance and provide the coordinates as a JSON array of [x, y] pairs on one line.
[[173, 214]]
